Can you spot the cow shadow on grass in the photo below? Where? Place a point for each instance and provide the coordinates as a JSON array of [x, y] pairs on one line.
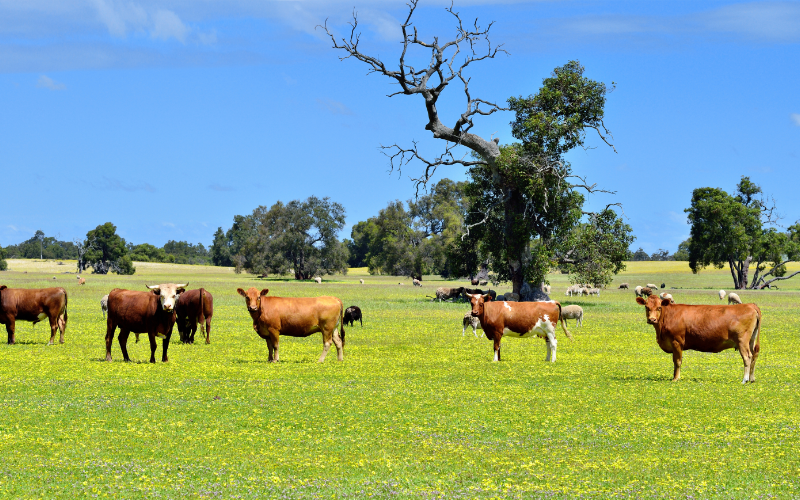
[[281, 362], [32, 342], [658, 378], [131, 362]]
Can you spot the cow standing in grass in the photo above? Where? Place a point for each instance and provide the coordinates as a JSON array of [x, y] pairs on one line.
[[19, 304], [518, 319], [295, 317], [705, 328], [194, 308]]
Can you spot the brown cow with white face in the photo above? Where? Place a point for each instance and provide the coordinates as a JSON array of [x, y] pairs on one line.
[[295, 317], [705, 328], [150, 312], [518, 319], [18, 304]]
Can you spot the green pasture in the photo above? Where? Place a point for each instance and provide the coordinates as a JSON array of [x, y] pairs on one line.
[[415, 410]]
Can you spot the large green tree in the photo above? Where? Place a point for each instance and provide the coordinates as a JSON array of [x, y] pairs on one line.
[[737, 230], [106, 251], [525, 197], [299, 236]]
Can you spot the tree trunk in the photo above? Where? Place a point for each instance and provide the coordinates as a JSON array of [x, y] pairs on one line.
[[739, 271], [516, 241]]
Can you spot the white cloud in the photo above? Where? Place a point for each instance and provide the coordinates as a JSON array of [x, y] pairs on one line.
[[766, 21], [167, 24], [119, 17], [795, 118], [335, 107], [46, 82], [168, 224]]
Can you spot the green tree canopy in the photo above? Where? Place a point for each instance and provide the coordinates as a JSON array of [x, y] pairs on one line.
[[730, 229], [105, 249], [41, 246]]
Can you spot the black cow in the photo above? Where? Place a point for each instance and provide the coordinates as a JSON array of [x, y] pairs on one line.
[[352, 314]]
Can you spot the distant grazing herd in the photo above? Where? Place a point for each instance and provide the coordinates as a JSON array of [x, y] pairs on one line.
[[679, 327]]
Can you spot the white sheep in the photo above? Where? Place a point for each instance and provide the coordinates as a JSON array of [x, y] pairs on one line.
[[104, 305], [665, 295], [594, 291], [721, 294], [638, 291], [416, 282], [572, 312], [652, 286], [362, 281], [318, 280], [546, 288], [734, 298], [471, 320]]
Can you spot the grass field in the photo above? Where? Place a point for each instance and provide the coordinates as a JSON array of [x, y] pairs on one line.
[[414, 411]]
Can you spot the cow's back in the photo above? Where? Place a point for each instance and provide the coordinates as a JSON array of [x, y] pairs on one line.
[[133, 310], [189, 303], [520, 316], [708, 328], [27, 304], [299, 316]]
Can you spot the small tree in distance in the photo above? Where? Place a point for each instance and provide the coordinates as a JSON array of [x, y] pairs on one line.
[[105, 251]]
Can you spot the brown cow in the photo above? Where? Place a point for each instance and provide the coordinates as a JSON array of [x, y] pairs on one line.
[[150, 312], [81, 281], [295, 317], [194, 307], [517, 319], [705, 328], [33, 305]]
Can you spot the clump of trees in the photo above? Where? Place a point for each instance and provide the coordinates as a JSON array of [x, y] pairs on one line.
[[525, 204], [297, 237], [411, 239], [40, 246], [739, 230], [3, 256], [104, 250], [174, 252], [658, 255]]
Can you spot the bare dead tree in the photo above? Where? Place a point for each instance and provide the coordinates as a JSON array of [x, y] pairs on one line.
[[447, 63]]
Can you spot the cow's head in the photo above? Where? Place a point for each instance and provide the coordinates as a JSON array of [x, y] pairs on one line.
[[3, 287], [252, 297], [477, 300], [652, 307], [168, 294]]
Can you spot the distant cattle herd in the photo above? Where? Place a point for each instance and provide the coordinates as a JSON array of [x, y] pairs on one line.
[[679, 327]]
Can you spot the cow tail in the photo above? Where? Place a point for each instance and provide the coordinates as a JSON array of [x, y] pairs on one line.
[[202, 318], [341, 321], [756, 348], [563, 322], [64, 326]]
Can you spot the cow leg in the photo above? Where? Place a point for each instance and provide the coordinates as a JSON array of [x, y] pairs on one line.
[[550, 340], [152, 337], [11, 329], [755, 347], [677, 360], [497, 339], [475, 331], [110, 327], [53, 328], [275, 341], [208, 330], [62, 326], [747, 359], [137, 337], [337, 341], [270, 347], [123, 344]]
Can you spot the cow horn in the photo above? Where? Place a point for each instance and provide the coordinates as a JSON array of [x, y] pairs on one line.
[[181, 286], [153, 287]]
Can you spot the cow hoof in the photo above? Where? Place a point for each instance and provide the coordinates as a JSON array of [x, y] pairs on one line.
[[60, 341], [50, 343], [108, 358]]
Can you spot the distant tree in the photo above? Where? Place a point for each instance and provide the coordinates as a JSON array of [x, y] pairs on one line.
[[299, 236], [105, 249], [145, 252], [661, 255], [640, 254], [730, 229], [183, 252], [220, 250], [3, 255], [683, 251], [40, 246]]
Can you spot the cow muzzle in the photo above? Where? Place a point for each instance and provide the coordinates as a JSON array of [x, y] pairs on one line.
[[652, 321]]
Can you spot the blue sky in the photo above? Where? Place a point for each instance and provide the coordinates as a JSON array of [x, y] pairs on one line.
[[169, 117]]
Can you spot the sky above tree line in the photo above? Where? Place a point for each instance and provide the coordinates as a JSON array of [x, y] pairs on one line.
[[169, 117]]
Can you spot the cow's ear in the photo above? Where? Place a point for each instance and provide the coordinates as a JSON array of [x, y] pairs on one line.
[[640, 301], [156, 291], [179, 291], [241, 292], [3, 287], [487, 298], [665, 302], [264, 292]]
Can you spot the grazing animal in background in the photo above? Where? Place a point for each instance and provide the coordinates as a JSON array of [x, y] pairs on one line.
[[104, 305], [353, 314], [194, 307], [416, 282], [150, 312], [663, 285], [483, 282], [470, 320], [54, 277], [668, 296], [473, 282], [295, 317], [638, 291], [721, 294], [593, 291], [534, 319], [623, 286], [318, 280], [733, 298], [652, 286], [546, 288], [81, 281], [572, 312], [448, 293], [647, 291], [34, 305], [399, 283], [705, 328], [362, 281]]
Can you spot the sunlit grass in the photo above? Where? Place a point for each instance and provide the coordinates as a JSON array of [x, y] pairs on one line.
[[414, 411]]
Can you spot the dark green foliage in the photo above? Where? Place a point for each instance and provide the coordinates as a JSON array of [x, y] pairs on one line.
[[299, 237], [40, 246], [683, 251], [411, 241], [525, 213], [729, 229], [640, 255], [125, 265], [3, 256], [145, 252], [104, 249], [220, 251]]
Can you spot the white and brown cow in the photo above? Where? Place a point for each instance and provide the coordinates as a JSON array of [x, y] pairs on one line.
[[705, 328], [295, 317], [518, 319]]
